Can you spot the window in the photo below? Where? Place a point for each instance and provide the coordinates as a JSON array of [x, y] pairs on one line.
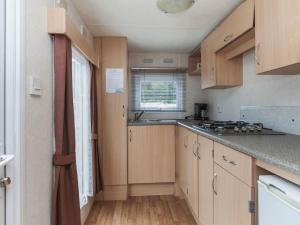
[[158, 92], [82, 116]]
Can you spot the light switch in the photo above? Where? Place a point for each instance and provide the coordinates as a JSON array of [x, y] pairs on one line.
[[35, 87], [220, 109]]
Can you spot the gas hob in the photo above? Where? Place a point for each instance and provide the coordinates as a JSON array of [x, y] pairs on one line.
[[234, 128]]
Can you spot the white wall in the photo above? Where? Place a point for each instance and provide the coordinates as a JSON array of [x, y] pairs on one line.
[[38, 128], [38, 142], [193, 83], [257, 90]]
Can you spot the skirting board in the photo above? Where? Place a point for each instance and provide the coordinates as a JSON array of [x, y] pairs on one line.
[[117, 192], [151, 189]]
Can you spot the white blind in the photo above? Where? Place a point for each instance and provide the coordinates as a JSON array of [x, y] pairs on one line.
[[82, 115], [158, 91]]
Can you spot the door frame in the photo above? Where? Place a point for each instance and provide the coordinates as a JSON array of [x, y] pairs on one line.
[[14, 106]]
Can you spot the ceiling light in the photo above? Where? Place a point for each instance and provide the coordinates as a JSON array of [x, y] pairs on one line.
[[174, 6]]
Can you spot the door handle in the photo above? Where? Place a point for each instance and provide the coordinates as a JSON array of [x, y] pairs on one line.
[[198, 150], [194, 149], [214, 184], [5, 181], [123, 110], [257, 58], [130, 136]]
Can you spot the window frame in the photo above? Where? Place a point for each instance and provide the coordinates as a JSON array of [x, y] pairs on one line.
[[136, 92]]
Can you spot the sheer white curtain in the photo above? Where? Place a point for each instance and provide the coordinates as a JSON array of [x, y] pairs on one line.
[[82, 114]]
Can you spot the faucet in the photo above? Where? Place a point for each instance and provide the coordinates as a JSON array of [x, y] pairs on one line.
[[138, 115]]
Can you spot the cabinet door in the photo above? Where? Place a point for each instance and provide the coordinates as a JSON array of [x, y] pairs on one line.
[[205, 174], [208, 63], [114, 114], [277, 36], [231, 199], [180, 156], [193, 173], [151, 154], [239, 22]]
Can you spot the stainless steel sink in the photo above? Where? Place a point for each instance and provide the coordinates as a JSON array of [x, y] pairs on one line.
[[152, 121]]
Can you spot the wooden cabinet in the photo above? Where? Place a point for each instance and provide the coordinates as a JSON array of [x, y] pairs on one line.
[[151, 154], [208, 63], [181, 158], [194, 166], [192, 185], [222, 51], [277, 36], [205, 179], [113, 127], [239, 22], [231, 199]]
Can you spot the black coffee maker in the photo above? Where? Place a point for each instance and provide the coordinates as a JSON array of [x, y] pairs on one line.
[[200, 111]]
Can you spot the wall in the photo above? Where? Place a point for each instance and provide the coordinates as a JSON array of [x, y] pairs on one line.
[[193, 83], [38, 128], [257, 90]]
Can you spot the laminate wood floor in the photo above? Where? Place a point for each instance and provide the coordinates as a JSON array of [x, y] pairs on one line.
[[154, 210]]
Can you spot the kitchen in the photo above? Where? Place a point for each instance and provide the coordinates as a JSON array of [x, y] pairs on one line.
[[152, 112]]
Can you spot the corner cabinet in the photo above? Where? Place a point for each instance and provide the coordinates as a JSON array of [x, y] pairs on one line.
[[151, 154], [277, 36]]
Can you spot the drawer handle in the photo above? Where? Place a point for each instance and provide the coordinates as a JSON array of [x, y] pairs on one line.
[[233, 163], [123, 111], [224, 158], [228, 37], [214, 184]]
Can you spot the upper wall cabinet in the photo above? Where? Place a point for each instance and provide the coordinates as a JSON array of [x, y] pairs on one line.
[[222, 50], [277, 36], [240, 21]]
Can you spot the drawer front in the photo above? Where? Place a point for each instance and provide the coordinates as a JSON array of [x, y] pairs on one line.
[[236, 163], [239, 22]]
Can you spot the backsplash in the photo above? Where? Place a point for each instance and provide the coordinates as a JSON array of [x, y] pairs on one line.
[[280, 118]]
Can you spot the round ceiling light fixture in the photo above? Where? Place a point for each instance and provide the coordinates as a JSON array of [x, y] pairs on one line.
[[174, 6]]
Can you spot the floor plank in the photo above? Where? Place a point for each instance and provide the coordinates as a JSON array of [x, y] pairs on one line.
[[152, 210]]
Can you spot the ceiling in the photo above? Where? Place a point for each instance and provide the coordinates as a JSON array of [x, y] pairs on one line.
[[150, 30]]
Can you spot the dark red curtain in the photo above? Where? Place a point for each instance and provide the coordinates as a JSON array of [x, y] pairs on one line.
[[65, 202], [98, 182]]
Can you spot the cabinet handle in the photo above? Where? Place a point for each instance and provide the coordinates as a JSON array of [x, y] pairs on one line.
[[225, 158], [214, 184], [257, 58], [228, 37], [185, 141], [130, 136], [123, 111], [233, 163], [194, 149], [198, 151]]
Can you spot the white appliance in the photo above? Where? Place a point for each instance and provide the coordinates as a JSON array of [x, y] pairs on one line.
[[279, 201]]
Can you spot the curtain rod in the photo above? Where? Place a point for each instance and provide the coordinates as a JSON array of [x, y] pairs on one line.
[[60, 23]]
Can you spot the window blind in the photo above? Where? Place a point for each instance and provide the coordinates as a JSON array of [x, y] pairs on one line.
[[158, 91]]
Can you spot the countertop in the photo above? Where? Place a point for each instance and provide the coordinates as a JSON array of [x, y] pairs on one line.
[[282, 151]]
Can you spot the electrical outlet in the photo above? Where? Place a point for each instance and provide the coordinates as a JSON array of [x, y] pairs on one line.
[[220, 108]]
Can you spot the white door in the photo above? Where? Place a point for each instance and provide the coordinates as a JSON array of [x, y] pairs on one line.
[[2, 102]]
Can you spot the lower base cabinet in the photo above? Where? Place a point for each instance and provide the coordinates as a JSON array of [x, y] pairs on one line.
[[218, 192], [231, 199], [151, 154]]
